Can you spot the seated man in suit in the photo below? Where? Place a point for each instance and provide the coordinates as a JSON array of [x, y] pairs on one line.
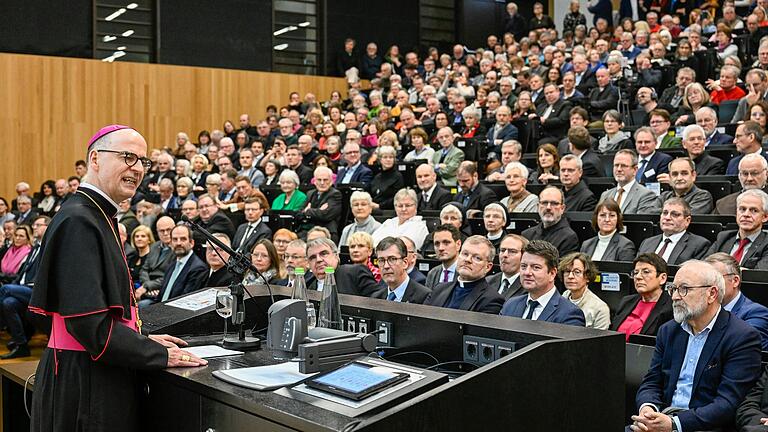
[[213, 220], [446, 160], [650, 162], [293, 161], [470, 291], [752, 413], [431, 196], [553, 228], [578, 197], [253, 229], [507, 281], [354, 171], [15, 296], [159, 258], [553, 115], [414, 273], [353, 279], [511, 151], [633, 198], [676, 245], [189, 273], [682, 178], [753, 174], [705, 360], [323, 206], [748, 140], [26, 214], [749, 244], [502, 131], [538, 271], [734, 301], [603, 97], [216, 258], [693, 143], [393, 262], [472, 194], [706, 117], [296, 256], [580, 144], [447, 242]]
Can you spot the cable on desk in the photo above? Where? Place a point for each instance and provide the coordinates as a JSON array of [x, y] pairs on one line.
[[437, 362], [26, 384], [453, 362]]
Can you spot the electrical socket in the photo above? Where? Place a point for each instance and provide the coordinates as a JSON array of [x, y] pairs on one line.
[[387, 335], [348, 323], [470, 350], [481, 351], [364, 325]]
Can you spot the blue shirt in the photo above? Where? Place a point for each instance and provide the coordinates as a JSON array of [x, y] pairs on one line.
[[459, 293], [349, 173], [400, 290], [682, 396]]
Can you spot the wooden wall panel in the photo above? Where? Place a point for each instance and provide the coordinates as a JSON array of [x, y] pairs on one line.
[[50, 106]]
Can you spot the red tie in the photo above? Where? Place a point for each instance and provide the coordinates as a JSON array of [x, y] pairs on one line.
[[739, 254]]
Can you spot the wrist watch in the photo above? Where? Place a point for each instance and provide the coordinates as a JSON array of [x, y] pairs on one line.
[[674, 423]]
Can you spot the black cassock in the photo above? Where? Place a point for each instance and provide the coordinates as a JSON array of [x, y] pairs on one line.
[[84, 278]]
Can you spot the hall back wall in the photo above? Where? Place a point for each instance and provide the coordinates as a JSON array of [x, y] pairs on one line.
[[51, 106]]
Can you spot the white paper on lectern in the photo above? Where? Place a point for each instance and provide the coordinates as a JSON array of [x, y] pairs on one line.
[[210, 351]]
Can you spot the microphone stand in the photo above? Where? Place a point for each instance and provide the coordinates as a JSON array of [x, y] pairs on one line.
[[237, 264]]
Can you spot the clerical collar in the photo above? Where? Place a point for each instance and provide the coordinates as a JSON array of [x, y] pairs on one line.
[[100, 192]]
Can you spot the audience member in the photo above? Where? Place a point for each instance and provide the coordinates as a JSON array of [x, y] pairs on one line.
[[644, 312], [554, 228], [577, 270], [609, 244], [675, 245]]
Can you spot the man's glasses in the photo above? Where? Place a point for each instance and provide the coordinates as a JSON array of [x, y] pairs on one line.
[[682, 289], [131, 158], [389, 260]]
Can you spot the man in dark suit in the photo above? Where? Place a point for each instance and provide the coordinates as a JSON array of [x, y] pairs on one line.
[[538, 270], [355, 171], [650, 162], [159, 258], [580, 144], [212, 220], [392, 255], [603, 97], [676, 245], [507, 281], [431, 196], [706, 117], [293, 161], [216, 258], [295, 257], [734, 301], [749, 244], [554, 115], [414, 273], [748, 140], [15, 296], [470, 291], [253, 229], [25, 214], [502, 131], [150, 185], [323, 204], [472, 194], [554, 228], [578, 197], [585, 78], [693, 143], [353, 279], [189, 273], [753, 174], [682, 178], [704, 363], [447, 241]]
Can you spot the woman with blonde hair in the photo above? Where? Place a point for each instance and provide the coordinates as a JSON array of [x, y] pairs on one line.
[[360, 246], [694, 98]]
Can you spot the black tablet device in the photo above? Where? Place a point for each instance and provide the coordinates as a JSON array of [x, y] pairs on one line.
[[356, 380]]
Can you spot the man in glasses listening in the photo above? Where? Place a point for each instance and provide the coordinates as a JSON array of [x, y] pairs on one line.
[[705, 360], [392, 254]]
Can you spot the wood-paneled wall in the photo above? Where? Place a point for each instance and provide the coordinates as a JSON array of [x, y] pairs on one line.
[[50, 106]]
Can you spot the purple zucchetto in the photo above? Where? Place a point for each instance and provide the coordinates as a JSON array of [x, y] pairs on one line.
[[106, 130]]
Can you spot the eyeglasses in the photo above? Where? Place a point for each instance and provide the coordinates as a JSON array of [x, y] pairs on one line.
[[550, 203], [575, 272], [281, 241], [682, 289], [644, 273], [323, 254], [477, 259], [205, 206], [130, 158], [388, 260], [293, 257]]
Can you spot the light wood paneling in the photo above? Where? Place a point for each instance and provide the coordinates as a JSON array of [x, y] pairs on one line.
[[50, 106]]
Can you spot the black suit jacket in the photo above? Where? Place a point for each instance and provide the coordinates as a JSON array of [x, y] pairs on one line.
[[28, 219], [588, 82], [557, 123], [580, 198], [560, 235], [220, 278], [328, 217], [417, 276], [656, 165], [756, 257], [591, 165], [601, 101], [155, 264], [480, 197], [218, 223], [482, 298], [353, 279], [261, 231], [439, 198], [619, 248], [414, 293], [689, 247], [305, 174], [709, 165], [660, 314], [28, 269], [754, 407], [494, 281], [192, 277]]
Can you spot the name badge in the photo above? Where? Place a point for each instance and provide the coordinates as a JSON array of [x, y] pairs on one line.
[[649, 173]]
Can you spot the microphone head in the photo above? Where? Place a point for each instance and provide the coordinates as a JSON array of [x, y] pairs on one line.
[[184, 218]]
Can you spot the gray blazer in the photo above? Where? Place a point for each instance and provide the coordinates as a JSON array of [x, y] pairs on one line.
[[494, 281], [435, 276], [153, 270], [700, 200], [689, 247], [619, 248], [639, 200]]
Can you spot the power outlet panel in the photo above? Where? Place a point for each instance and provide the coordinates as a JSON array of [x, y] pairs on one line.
[[481, 351], [386, 336]]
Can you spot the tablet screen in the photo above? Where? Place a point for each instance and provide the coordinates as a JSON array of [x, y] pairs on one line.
[[355, 378]]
